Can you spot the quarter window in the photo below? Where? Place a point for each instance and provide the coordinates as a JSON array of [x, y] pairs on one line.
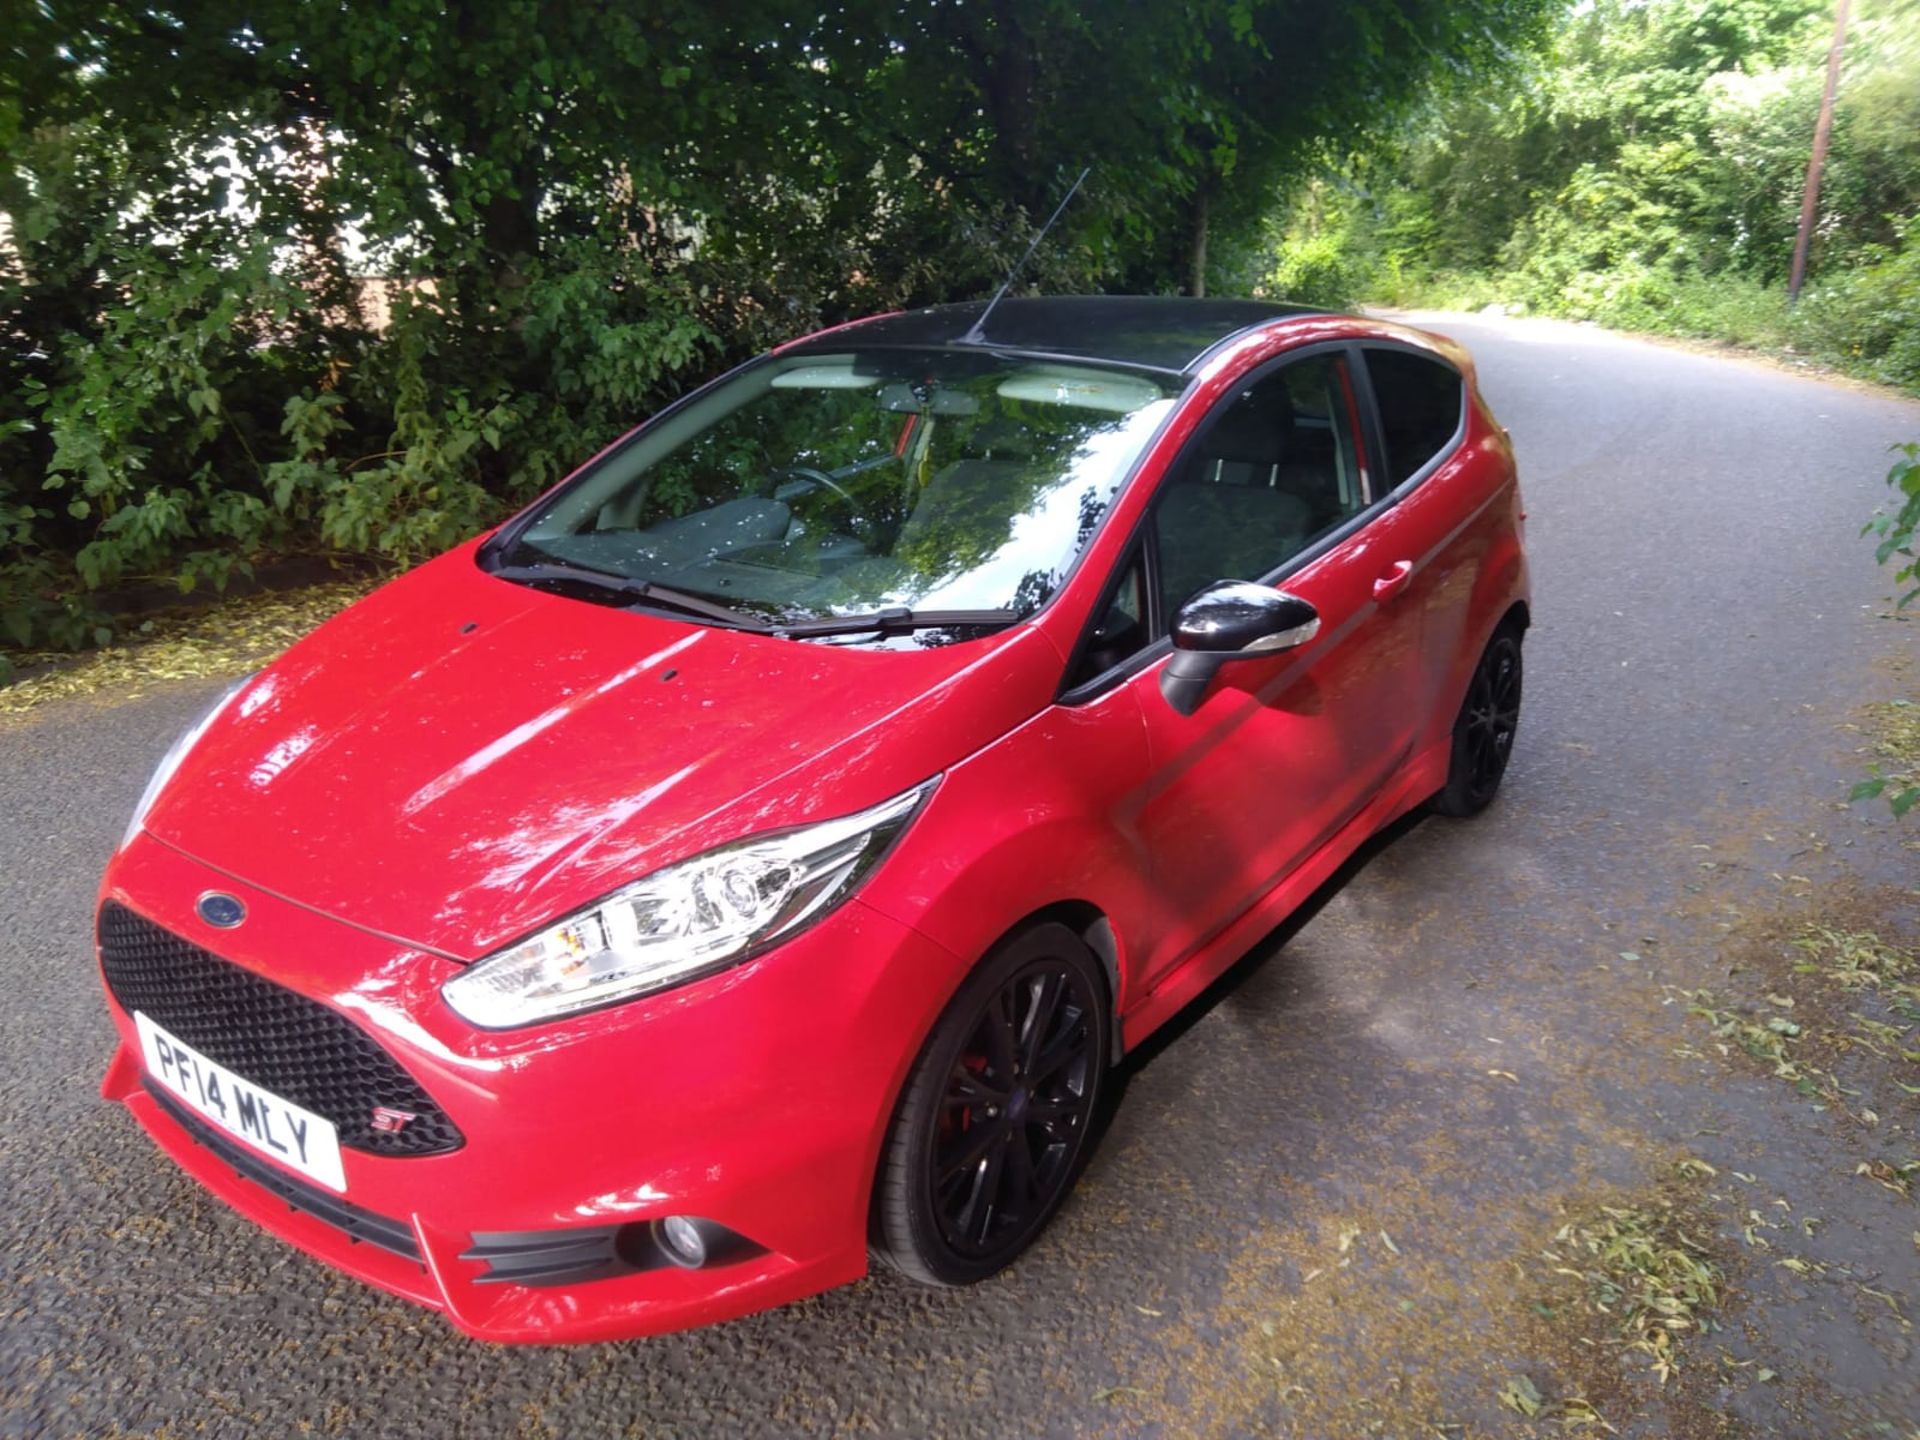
[[1121, 631], [1275, 469], [1420, 401]]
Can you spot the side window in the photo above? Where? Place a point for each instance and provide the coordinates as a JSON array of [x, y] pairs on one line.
[[1277, 467], [1420, 402]]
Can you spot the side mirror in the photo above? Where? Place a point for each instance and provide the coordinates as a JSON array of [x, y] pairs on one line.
[[1230, 620]]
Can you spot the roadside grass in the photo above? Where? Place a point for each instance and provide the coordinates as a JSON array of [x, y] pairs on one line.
[[230, 638], [1720, 313], [1893, 738], [1886, 732]]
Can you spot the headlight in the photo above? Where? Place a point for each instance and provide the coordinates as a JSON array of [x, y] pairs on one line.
[[170, 762], [682, 922]]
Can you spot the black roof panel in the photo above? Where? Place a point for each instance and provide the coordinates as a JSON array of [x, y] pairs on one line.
[[1159, 332]]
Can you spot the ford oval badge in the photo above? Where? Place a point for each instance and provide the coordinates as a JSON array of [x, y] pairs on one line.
[[220, 910]]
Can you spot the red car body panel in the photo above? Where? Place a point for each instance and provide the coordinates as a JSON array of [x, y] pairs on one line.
[[466, 694], [762, 1137], [458, 760]]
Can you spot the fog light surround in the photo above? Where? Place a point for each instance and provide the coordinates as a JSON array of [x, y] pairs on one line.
[[604, 1252]]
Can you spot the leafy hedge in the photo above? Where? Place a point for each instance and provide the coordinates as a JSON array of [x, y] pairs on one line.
[[215, 417]]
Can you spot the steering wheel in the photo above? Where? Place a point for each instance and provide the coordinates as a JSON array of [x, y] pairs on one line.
[[815, 477]]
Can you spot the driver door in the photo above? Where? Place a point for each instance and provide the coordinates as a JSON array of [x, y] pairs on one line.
[[1285, 748]]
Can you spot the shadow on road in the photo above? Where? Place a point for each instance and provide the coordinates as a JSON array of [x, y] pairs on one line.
[[1247, 966]]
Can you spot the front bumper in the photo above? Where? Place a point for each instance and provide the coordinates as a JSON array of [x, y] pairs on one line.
[[756, 1099]]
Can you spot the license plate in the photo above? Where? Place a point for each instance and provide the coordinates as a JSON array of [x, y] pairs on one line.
[[278, 1129]]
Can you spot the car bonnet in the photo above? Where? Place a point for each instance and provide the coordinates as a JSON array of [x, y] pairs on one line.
[[458, 760]]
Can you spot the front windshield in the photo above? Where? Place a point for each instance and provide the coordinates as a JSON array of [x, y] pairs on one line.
[[823, 485]]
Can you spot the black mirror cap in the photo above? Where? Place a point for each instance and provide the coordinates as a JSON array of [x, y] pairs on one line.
[[1230, 620], [1237, 617]]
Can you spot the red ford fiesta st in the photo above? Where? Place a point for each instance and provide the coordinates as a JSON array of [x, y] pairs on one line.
[[755, 855]]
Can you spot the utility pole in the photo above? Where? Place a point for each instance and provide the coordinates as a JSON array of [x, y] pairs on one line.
[[1822, 133]]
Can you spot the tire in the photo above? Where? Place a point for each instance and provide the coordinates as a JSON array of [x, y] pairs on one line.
[[992, 1129], [1484, 730]]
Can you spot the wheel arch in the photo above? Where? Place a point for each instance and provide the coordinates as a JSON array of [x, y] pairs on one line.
[[1502, 600], [1095, 929], [1040, 828]]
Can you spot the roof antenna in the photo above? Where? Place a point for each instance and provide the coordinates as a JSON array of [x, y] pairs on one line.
[[976, 333]]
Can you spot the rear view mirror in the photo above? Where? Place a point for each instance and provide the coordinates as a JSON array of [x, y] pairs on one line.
[[1230, 620], [904, 399]]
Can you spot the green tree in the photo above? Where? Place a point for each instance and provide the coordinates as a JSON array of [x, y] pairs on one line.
[[1643, 167], [280, 274]]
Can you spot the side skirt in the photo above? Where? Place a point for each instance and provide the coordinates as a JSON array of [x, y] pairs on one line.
[[1418, 780]]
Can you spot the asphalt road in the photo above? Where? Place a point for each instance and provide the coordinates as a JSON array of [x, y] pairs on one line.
[[1320, 1208]]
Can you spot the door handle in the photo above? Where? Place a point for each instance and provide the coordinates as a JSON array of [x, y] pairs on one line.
[[1394, 581]]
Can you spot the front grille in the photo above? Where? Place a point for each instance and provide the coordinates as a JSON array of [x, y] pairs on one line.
[[359, 1226], [281, 1041]]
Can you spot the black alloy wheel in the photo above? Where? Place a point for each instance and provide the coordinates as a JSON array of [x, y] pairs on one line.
[[993, 1128], [1483, 733]]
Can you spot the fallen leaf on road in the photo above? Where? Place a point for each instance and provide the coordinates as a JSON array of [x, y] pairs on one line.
[[1577, 1412], [1521, 1395], [1886, 1175], [1892, 1304]]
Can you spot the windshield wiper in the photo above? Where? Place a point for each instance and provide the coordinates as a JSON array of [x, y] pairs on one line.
[[653, 593], [895, 620], [898, 620]]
